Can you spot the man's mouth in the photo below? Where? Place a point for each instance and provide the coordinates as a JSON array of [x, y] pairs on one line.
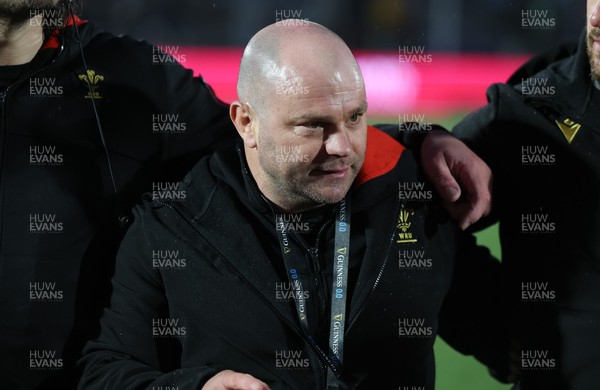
[[338, 173]]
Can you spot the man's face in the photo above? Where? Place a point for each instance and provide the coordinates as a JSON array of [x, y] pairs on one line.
[[311, 138], [593, 36]]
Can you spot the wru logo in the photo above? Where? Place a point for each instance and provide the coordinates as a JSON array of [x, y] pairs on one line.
[[92, 81]]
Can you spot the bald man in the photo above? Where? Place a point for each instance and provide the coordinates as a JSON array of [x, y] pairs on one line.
[[310, 255]]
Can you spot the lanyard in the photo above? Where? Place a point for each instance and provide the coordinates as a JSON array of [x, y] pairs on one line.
[[341, 254], [289, 259]]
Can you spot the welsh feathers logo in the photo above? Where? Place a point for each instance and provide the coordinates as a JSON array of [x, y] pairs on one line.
[[404, 224], [92, 82]]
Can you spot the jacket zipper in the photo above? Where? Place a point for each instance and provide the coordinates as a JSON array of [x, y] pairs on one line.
[[2, 157], [3, 128], [319, 269], [325, 359], [320, 277], [377, 280], [308, 341]]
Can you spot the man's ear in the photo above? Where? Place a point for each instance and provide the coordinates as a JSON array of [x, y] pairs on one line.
[[245, 121]]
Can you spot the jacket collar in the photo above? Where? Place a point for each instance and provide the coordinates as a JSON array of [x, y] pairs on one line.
[[569, 72], [54, 41], [63, 44], [249, 258], [382, 155]]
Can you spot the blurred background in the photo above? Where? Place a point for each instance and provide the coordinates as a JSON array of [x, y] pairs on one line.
[[441, 25], [430, 58], [425, 60]]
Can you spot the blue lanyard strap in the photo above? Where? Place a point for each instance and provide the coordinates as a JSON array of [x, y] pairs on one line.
[[339, 291], [289, 259], [341, 260]]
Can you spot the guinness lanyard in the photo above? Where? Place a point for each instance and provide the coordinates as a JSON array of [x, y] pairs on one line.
[[341, 254]]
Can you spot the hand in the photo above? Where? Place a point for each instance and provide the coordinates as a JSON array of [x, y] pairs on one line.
[[231, 380], [463, 180]]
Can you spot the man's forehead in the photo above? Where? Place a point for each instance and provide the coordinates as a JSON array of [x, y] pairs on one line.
[[348, 93], [315, 71], [323, 82], [326, 108]]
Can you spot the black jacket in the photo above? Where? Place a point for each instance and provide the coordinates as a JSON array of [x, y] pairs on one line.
[[540, 133], [197, 287], [60, 220]]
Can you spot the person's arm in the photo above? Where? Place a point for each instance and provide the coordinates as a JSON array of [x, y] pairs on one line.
[[126, 355], [203, 119], [486, 137], [474, 316], [463, 180]]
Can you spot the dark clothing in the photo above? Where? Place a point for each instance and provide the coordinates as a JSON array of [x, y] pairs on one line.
[[60, 221], [218, 297], [541, 137]]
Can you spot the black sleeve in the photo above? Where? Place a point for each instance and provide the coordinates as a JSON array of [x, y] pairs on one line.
[[155, 111], [205, 117], [158, 118], [479, 129], [126, 355], [473, 319], [410, 134], [487, 136]]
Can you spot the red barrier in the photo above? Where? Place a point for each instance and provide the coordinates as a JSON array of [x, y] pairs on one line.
[[397, 84]]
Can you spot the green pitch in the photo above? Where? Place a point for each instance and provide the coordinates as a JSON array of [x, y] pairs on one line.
[[454, 370], [460, 372]]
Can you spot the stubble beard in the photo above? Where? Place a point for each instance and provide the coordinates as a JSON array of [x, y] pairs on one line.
[[302, 194], [296, 190]]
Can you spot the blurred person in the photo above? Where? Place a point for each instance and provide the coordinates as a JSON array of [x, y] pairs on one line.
[[69, 175], [540, 133], [312, 254]]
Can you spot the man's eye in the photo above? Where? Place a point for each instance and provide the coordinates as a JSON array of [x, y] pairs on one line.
[[313, 125], [355, 118]]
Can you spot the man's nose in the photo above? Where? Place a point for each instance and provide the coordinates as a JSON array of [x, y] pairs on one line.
[[595, 15], [338, 142]]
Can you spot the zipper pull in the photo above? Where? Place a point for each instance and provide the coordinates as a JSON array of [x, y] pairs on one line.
[[314, 252]]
